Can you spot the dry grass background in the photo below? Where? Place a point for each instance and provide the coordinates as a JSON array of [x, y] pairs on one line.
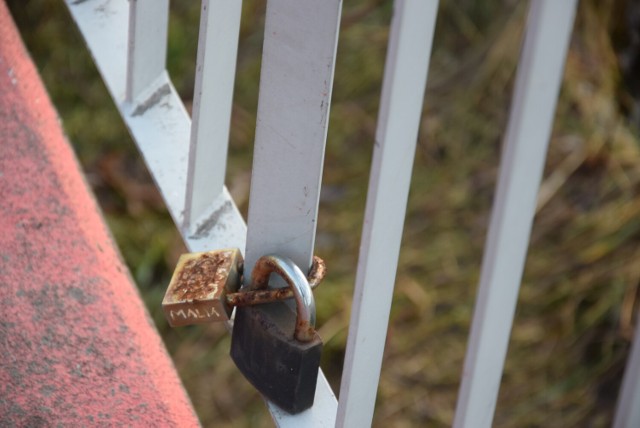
[[580, 291]]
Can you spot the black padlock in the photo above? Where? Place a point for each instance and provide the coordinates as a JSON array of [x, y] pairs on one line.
[[277, 349]]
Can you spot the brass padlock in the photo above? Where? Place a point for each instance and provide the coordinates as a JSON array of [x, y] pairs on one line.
[[278, 350], [199, 286]]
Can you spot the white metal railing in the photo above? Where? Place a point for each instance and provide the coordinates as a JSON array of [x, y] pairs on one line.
[[524, 151], [212, 100], [188, 159], [405, 80]]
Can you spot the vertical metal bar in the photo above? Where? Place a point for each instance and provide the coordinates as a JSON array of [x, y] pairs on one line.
[[628, 408], [147, 47], [538, 82], [405, 80], [212, 101], [293, 111]]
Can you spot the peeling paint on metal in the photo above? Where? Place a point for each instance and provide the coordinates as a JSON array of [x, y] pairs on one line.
[[204, 228], [153, 100]]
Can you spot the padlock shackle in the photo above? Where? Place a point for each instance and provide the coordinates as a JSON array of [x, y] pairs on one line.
[[297, 281]]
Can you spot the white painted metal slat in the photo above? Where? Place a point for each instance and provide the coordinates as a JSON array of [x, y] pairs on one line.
[[405, 80], [106, 35], [628, 407], [148, 29], [538, 82], [212, 102], [158, 122], [293, 112]]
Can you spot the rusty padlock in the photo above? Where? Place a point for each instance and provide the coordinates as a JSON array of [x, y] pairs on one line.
[[199, 286], [277, 349], [203, 288]]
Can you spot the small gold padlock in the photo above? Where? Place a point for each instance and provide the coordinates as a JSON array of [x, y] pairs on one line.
[[199, 286]]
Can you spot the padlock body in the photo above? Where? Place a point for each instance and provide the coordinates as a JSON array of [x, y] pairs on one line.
[[283, 369], [200, 283]]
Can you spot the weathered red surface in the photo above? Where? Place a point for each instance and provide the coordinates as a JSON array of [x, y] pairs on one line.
[[76, 344]]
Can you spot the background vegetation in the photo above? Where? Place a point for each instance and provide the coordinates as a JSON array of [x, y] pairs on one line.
[[580, 291]]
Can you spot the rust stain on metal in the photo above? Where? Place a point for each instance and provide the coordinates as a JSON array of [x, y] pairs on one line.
[[204, 228], [154, 99], [261, 273], [203, 287], [304, 331], [198, 288], [261, 295], [317, 272], [257, 297], [202, 277], [265, 266]]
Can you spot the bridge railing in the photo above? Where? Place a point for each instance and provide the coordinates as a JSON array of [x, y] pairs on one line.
[[187, 159]]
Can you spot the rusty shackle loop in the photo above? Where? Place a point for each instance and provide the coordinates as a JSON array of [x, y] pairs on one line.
[[317, 272], [297, 282]]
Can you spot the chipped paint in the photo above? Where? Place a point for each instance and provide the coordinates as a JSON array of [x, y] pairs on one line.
[[206, 226], [152, 101]]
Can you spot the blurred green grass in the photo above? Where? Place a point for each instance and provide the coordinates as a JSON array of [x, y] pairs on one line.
[[580, 290]]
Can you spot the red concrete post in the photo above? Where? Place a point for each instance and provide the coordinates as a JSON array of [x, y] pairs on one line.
[[77, 345]]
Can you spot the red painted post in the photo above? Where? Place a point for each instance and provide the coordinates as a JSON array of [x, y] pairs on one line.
[[77, 345]]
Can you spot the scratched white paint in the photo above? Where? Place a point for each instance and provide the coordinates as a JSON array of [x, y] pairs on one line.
[[293, 111]]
